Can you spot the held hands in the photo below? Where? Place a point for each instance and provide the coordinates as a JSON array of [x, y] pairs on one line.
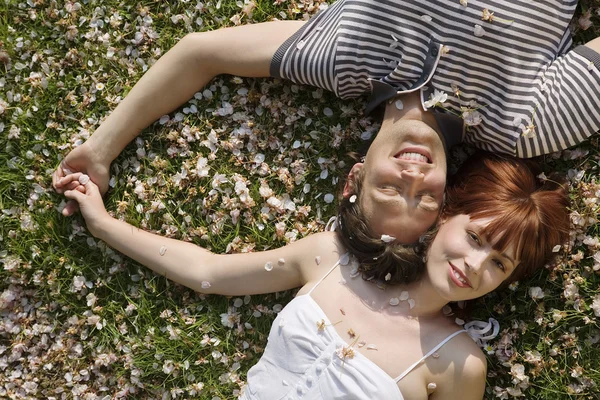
[[85, 194], [82, 159]]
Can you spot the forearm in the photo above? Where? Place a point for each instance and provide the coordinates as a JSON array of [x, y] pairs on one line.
[[197, 58], [170, 82], [174, 259]]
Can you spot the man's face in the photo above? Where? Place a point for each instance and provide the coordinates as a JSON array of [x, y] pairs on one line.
[[404, 176]]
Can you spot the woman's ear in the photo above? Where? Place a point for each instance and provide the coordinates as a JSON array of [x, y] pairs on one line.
[[350, 186]]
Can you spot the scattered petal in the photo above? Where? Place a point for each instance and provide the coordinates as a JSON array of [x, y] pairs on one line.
[[426, 18], [399, 104], [345, 259], [371, 347], [431, 386], [556, 248], [351, 333], [162, 250], [269, 266], [83, 179], [388, 276], [479, 31], [362, 343], [328, 198], [411, 303], [404, 295], [328, 112], [387, 238], [352, 199], [459, 321], [394, 301], [205, 285], [281, 261], [318, 260]]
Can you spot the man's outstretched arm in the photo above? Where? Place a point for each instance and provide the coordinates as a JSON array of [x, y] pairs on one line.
[[186, 68]]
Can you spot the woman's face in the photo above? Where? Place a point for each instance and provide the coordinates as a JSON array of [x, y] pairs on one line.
[[462, 263]]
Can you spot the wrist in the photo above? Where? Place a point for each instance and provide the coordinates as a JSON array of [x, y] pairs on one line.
[[101, 227]]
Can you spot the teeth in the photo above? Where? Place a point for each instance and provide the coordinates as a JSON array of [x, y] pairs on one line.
[[413, 157], [460, 278]]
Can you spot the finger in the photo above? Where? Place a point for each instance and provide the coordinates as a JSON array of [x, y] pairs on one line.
[[70, 178], [90, 187], [56, 177], [74, 195], [70, 208], [72, 185]]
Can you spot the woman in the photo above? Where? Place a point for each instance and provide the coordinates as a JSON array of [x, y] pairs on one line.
[[345, 337]]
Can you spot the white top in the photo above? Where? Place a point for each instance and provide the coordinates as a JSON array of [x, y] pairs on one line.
[[300, 361]]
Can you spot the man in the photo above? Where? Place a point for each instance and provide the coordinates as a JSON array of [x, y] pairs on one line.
[[501, 78]]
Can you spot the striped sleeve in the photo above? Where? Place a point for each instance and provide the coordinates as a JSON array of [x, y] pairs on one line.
[[567, 104]]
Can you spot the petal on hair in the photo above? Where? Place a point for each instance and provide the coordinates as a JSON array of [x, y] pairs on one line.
[[387, 238], [345, 259]]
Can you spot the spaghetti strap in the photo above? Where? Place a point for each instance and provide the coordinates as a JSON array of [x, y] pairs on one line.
[[436, 348], [326, 275]]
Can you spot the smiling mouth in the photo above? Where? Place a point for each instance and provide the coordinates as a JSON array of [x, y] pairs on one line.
[[458, 277], [414, 155]]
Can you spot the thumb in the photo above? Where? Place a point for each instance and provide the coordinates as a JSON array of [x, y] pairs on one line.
[[88, 184]]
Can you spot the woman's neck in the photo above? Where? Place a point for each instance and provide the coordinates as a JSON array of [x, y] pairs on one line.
[[417, 300]]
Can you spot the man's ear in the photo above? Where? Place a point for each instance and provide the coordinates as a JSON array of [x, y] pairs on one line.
[[350, 187]]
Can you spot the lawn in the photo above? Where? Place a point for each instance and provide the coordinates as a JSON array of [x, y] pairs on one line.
[[80, 321]]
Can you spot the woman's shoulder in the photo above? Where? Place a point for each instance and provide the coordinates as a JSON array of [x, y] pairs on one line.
[[467, 369]]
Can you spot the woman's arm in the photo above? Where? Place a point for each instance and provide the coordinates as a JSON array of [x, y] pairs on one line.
[[465, 376], [186, 68], [197, 268]]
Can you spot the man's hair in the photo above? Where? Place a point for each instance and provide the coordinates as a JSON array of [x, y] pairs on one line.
[[527, 209], [377, 260]]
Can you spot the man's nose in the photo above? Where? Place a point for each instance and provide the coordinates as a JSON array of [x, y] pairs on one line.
[[413, 178]]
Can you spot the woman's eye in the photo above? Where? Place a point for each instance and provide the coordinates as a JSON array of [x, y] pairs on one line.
[[500, 265], [474, 237]]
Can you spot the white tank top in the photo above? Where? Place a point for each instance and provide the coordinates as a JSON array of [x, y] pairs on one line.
[[301, 362]]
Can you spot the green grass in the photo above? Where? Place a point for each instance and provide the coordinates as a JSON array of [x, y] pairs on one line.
[[148, 336]]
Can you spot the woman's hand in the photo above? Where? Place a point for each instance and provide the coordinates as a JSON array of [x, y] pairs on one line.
[[82, 159], [87, 196]]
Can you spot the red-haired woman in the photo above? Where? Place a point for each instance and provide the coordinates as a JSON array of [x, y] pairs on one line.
[[344, 337]]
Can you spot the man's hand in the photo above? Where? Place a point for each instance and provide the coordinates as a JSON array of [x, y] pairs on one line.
[[81, 159]]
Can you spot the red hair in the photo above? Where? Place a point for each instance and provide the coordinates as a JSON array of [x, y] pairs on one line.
[[530, 212]]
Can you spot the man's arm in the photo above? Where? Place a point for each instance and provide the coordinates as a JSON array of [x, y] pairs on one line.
[[594, 45], [186, 68]]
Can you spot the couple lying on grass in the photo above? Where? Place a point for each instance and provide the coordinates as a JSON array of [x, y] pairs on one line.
[[443, 75]]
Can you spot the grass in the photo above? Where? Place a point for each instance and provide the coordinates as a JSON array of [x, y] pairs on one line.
[[129, 333]]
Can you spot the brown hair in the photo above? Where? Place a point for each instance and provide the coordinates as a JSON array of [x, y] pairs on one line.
[[527, 210], [376, 258]]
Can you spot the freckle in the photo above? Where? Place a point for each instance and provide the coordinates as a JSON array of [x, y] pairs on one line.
[[342, 311], [162, 250]]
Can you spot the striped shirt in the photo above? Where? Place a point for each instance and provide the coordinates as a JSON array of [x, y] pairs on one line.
[[511, 77]]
